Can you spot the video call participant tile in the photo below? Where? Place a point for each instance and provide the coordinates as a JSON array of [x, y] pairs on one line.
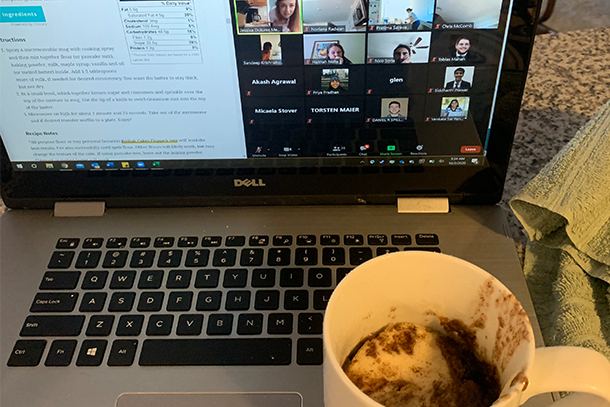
[[269, 50], [334, 49], [478, 14], [447, 108], [461, 47], [462, 79], [262, 16], [334, 16], [280, 110], [399, 110], [398, 48], [263, 82], [391, 15], [337, 110], [397, 79], [334, 81]]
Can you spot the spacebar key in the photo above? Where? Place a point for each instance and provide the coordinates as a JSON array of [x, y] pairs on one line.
[[216, 352]]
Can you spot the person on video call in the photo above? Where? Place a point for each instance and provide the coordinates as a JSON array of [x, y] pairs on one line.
[[458, 83], [402, 54], [412, 19], [286, 15], [336, 52], [335, 85], [266, 51], [394, 108], [454, 109]]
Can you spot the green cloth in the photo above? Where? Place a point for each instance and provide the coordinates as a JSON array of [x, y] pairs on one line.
[[565, 210]]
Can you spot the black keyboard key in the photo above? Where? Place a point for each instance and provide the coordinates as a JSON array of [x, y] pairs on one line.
[[116, 243], [291, 277], [424, 249], [216, 352], [59, 280], [320, 277], [61, 353], [309, 351], [306, 240], [385, 250], [123, 352], [333, 256], [235, 278], [220, 324], [61, 260], [151, 301], [426, 239], [159, 325], [224, 257], [142, 259], [52, 325], [235, 241], [358, 255], [179, 301], [310, 324], [91, 352], [139, 242], [189, 324], [279, 257], [282, 240], [188, 241], [263, 277], [169, 258], [320, 299], [353, 240], [296, 300], [93, 302], [88, 259], [179, 279], [280, 324], [401, 240], [115, 259], [342, 272], [237, 301], [252, 257], [267, 300], [330, 240], [208, 300], [150, 279], [54, 302], [27, 353], [207, 278], [121, 301], [259, 240], [130, 325], [93, 243], [377, 240], [164, 242], [67, 243], [94, 280], [211, 241], [250, 324], [306, 256], [197, 258], [100, 325], [122, 279]]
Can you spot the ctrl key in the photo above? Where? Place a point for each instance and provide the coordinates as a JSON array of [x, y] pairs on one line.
[[27, 353]]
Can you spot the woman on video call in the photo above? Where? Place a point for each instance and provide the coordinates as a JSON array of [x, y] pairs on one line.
[[336, 52], [286, 15], [454, 109]]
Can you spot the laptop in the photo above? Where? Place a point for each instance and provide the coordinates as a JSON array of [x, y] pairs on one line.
[[189, 180]]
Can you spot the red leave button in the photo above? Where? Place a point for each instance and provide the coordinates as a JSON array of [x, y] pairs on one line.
[[470, 149]]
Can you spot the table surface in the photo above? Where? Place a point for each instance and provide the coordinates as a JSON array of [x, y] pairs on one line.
[[567, 83]]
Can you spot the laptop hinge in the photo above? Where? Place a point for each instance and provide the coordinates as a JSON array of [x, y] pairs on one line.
[[423, 205], [79, 209]]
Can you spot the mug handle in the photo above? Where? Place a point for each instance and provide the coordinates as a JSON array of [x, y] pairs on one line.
[[573, 369]]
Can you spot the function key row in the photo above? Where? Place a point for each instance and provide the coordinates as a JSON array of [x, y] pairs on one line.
[[254, 241]]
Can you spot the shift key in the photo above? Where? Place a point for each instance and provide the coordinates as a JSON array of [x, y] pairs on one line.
[[54, 302], [53, 325]]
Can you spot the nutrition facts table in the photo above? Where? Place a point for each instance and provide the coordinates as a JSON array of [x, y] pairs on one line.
[[161, 32]]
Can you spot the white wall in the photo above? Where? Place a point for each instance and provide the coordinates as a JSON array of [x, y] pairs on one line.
[[398, 9], [483, 13]]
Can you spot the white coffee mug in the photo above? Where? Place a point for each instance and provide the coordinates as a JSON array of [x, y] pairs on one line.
[[417, 287]]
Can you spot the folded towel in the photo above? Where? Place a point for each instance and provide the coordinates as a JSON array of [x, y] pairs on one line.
[[565, 210]]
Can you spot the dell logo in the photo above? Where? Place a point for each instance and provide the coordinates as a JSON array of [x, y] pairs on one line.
[[249, 183]]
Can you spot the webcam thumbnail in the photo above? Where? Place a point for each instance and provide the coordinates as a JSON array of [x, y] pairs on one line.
[[459, 79], [335, 81], [268, 16], [320, 16], [393, 15], [334, 49], [271, 49], [455, 108], [399, 48], [478, 14]]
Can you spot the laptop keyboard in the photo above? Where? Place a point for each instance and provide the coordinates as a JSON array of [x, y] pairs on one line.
[[215, 300]]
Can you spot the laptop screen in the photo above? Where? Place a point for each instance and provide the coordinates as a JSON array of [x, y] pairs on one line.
[[147, 84]]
